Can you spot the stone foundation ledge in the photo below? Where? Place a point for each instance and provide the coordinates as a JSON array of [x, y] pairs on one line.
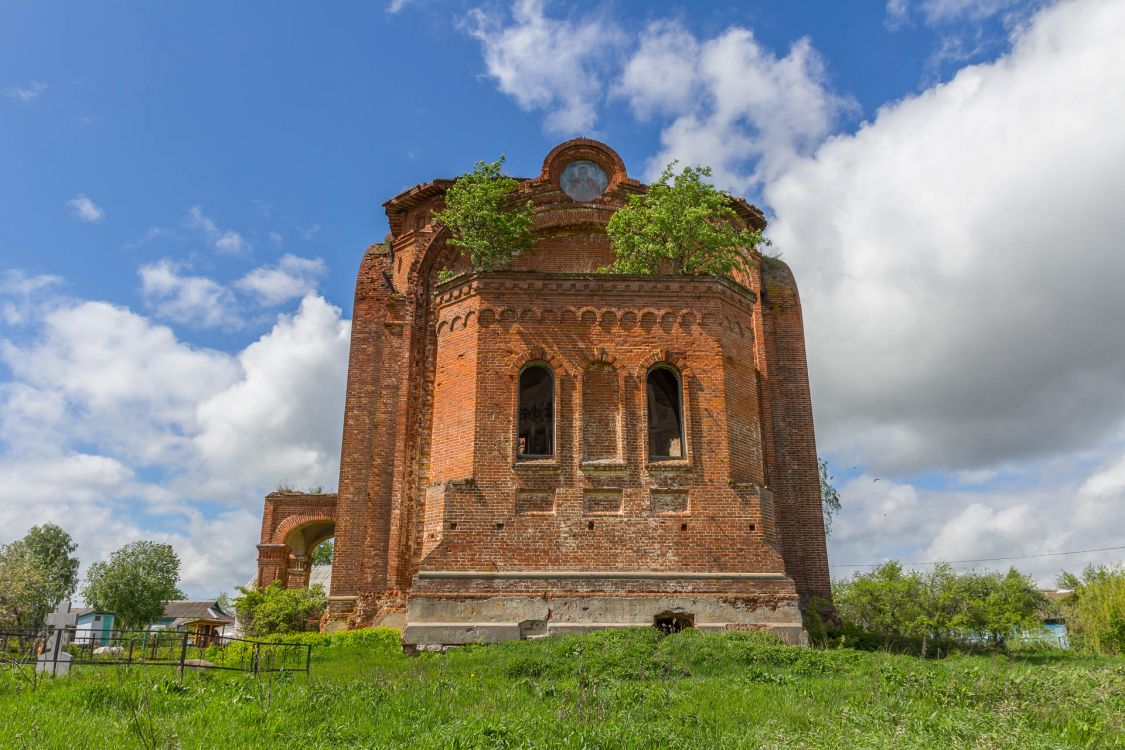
[[433, 623]]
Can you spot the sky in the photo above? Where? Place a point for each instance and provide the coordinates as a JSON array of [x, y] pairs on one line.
[[186, 191]]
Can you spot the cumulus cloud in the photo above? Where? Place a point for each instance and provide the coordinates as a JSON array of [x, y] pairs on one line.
[[743, 110], [113, 426], [28, 92], [19, 293], [85, 209], [292, 278], [727, 101], [271, 426], [222, 240], [960, 258], [191, 300], [1035, 513], [547, 64], [120, 372]]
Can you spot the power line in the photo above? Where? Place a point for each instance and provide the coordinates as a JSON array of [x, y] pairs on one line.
[[983, 559]]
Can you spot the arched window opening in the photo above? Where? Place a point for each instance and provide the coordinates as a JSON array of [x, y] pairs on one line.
[[536, 436], [665, 415]]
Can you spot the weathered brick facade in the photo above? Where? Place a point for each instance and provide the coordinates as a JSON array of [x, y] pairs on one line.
[[438, 512]]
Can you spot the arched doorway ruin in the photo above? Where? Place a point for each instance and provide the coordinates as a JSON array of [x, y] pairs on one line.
[[293, 525]]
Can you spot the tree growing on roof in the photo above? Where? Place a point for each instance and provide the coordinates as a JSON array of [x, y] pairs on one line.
[[484, 219], [683, 224]]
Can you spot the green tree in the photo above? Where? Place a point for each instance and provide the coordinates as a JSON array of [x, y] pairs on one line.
[[1095, 610], [940, 604], [484, 219], [136, 582], [681, 225], [23, 588], [38, 572], [829, 497], [887, 600], [52, 550], [995, 605], [276, 609], [322, 555]]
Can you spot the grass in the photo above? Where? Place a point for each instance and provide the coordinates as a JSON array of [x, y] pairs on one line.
[[615, 689]]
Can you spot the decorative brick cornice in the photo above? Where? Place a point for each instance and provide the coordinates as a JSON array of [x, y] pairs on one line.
[[586, 284]]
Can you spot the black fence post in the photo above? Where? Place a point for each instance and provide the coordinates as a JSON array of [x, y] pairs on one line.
[[55, 656], [308, 657], [183, 653], [254, 658]]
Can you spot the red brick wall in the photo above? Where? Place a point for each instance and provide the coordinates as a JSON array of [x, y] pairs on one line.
[[795, 478], [429, 477]]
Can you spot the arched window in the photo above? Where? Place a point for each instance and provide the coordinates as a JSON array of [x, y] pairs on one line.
[[665, 414], [536, 435]]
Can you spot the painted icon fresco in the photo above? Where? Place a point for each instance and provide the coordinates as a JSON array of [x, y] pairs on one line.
[[583, 180]]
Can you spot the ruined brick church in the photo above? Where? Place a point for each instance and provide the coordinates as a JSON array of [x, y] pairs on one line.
[[550, 449]]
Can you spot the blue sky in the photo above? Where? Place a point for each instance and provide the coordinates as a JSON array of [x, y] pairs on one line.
[[186, 191]]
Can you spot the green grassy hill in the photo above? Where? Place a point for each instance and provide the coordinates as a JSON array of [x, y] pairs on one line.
[[615, 689]]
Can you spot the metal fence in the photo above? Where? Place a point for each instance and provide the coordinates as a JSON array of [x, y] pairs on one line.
[[180, 649]]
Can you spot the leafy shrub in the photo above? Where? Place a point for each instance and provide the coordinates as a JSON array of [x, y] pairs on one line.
[[384, 641], [941, 604], [1095, 612], [852, 636], [276, 609]]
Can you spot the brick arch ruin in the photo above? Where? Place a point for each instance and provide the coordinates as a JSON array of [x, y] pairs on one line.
[[293, 525]]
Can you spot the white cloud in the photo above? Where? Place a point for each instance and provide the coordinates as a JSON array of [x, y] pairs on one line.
[[85, 209], [192, 300], [662, 76], [736, 106], [281, 420], [731, 103], [222, 240], [394, 6], [548, 64], [30, 92], [938, 12], [960, 258], [122, 372], [1041, 510], [20, 292], [119, 431], [292, 278]]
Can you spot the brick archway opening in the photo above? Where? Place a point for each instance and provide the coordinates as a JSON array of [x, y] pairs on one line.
[[294, 525], [302, 541]]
